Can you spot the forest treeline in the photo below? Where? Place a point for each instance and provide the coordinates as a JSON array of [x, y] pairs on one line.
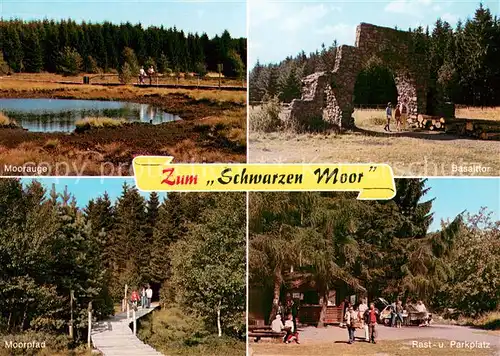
[[68, 47], [376, 248], [181, 245], [464, 66]]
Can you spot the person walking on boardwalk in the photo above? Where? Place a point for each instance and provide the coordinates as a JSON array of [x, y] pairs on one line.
[[142, 75], [149, 295], [144, 299], [134, 298], [151, 73], [371, 316], [388, 115]]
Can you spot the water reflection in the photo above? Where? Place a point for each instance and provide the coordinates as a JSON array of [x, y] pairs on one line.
[[60, 115]]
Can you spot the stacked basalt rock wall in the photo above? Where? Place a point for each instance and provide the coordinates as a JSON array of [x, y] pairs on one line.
[[328, 96]]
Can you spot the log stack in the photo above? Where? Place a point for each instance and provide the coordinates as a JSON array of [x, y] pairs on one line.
[[432, 123], [482, 129]]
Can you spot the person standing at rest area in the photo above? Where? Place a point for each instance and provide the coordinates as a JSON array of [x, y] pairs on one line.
[[388, 115], [351, 318], [149, 295], [362, 308], [371, 316]]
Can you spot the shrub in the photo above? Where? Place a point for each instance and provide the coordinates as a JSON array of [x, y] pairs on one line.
[[69, 62], [6, 122], [97, 122], [173, 327], [51, 144], [267, 118], [126, 73]]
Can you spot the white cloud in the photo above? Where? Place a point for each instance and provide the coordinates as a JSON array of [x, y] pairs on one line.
[[343, 33], [307, 16], [261, 11], [408, 7], [450, 18]]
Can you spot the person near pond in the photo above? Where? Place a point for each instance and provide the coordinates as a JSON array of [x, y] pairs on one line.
[[397, 117], [404, 114], [291, 330], [144, 299], [142, 75], [134, 298], [351, 318], [149, 295], [361, 311], [151, 73], [388, 115], [277, 325], [371, 317]]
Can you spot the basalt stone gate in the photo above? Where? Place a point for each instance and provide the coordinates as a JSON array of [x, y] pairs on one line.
[[329, 95]]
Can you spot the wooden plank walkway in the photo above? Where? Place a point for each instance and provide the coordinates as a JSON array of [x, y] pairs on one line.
[[114, 337]]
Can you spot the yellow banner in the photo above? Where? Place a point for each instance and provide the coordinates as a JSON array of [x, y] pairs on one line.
[[373, 181]]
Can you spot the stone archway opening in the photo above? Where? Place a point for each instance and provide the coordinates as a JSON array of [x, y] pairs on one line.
[[375, 85], [329, 96]]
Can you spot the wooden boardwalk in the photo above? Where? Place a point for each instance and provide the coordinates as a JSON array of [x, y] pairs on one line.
[[114, 337]]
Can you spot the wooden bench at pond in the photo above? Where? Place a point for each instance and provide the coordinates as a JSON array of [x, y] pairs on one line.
[[259, 332]]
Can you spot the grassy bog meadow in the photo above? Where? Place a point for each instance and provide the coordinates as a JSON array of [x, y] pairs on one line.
[[80, 109]]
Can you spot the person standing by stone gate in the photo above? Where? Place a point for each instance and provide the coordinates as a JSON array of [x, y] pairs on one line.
[[388, 114], [404, 114]]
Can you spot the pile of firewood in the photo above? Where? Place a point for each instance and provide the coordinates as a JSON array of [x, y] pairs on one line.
[[428, 122]]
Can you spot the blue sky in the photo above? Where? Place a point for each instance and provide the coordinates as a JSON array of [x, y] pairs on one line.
[[84, 189], [454, 195], [278, 29], [212, 17]]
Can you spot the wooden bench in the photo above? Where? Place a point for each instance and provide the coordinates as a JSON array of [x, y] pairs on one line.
[[259, 332]]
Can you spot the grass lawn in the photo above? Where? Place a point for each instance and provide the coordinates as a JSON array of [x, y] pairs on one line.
[[382, 348]]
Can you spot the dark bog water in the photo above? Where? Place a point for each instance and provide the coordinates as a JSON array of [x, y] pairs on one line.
[[60, 115]]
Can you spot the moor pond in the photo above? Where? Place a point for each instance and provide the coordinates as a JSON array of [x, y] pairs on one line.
[[60, 115]]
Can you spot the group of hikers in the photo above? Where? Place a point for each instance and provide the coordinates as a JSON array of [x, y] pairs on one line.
[[143, 74], [364, 317], [144, 298], [400, 116]]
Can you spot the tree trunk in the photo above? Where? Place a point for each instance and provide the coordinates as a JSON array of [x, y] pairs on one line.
[[276, 294], [219, 329], [324, 305]]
